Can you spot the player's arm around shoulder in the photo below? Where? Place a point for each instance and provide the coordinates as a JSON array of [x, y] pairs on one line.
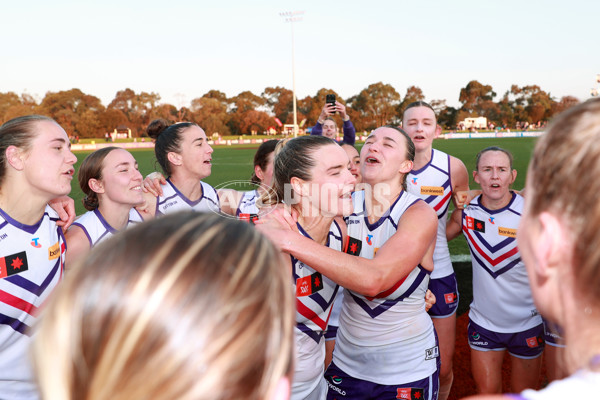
[[454, 224], [412, 244], [78, 245], [148, 208], [460, 180]]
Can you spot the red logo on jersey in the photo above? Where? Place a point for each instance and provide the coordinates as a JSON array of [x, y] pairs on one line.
[[409, 393], [475, 224], [13, 264], [353, 246], [450, 297], [248, 217], [309, 284]]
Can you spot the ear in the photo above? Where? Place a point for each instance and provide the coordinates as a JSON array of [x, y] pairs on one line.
[[259, 172], [96, 185], [406, 166], [551, 248], [14, 156], [438, 131], [298, 186], [476, 176], [514, 176], [174, 158]]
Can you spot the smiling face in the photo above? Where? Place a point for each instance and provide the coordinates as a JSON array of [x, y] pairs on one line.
[[421, 126], [328, 191], [121, 180], [330, 129], [48, 164], [494, 175], [384, 157], [195, 157]]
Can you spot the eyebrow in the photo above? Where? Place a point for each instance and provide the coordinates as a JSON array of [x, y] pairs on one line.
[[389, 139], [197, 140], [335, 167]]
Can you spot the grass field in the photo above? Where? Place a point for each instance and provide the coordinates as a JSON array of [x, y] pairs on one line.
[[235, 163]]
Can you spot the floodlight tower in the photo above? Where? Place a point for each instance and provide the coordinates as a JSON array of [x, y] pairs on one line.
[[291, 17]]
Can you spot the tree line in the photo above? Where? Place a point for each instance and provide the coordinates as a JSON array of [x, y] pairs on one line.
[[85, 116]]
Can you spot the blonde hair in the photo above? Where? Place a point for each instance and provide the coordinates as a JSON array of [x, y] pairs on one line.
[[565, 169], [188, 306]]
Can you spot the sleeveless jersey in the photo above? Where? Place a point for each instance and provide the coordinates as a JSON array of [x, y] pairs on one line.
[[581, 385], [31, 265], [248, 203], [502, 299], [432, 183], [315, 294], [386, 339], [97, 229], [173, 200]]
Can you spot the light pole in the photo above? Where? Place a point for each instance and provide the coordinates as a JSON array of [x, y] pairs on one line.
[[291, 17]]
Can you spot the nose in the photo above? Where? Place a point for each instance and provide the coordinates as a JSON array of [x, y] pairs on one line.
[[71, 158], [210, 149], [137, 176]]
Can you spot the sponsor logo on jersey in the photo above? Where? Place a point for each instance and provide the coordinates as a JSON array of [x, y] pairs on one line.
[[475, 336], [414, 181], [309, 284], [491, 220], [248, 217], [169, 204], [409, 393], [35, 243], [3, 236], [54, 251], [353, 246], [475, 224], [534, 342], [507, 232], [13, 264], [335, 388], [336, 379], [450, 298], [432, 190], [369, 242], [432, 353]]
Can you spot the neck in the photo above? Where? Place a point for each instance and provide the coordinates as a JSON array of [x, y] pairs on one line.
[[317, 227], [422, 158], [190, 187], [117, 215], [23, 206], [493, 204], [378, 201], [583, 354]]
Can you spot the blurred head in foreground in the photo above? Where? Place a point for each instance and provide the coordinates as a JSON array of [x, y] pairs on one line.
[[189, 306]]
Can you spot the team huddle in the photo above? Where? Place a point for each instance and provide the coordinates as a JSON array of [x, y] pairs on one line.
[[163, 297]]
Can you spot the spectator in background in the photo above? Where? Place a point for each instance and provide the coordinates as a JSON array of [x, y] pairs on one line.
[[327, 127]]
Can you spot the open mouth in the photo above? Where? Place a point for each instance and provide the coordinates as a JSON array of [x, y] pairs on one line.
[[137, 188], [495, 185], [371, 160], [419, 137]]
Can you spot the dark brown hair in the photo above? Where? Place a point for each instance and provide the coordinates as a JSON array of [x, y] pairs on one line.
[[91, 168], [167, 139]]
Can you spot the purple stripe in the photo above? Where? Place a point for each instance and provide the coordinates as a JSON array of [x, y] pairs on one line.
[[309, 332], [417, 172], [497, 247], [14, 323], [31, 286], [374, 312], [31, 229], [484, 264], [84, 231], [492, 212]]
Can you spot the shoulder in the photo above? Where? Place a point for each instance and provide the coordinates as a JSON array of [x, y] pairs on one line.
[[458, 171]]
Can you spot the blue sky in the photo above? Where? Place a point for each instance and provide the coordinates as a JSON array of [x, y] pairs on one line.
[[182, 49]]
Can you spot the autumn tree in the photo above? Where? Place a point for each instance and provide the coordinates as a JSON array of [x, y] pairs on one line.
[[78, 113], [13, 105], [376, 106], [413, 93], [248, 114], [280, 103], [210, 112], [137, 108]]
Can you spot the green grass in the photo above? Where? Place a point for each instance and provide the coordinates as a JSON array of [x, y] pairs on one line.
[[235, 163]]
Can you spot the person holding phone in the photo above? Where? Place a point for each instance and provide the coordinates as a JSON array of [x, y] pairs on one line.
[[326, 125]]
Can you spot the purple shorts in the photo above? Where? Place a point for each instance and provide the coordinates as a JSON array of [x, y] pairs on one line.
[[446, 294], [526, 344], [342, 386], [553, 335]]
